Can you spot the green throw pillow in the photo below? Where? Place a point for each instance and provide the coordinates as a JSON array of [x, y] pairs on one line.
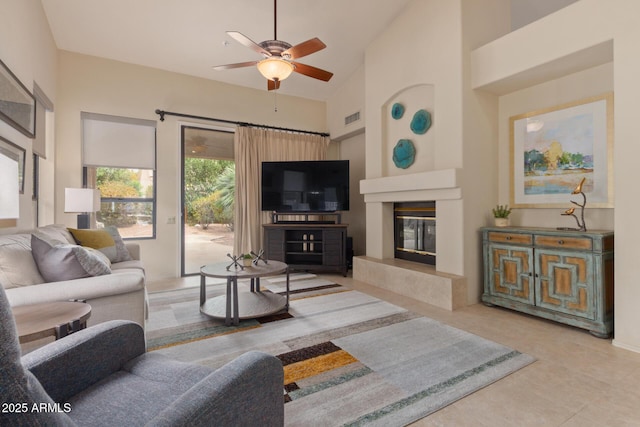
[[107, 241]]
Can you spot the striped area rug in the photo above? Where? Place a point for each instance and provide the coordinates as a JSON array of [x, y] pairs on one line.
[[349, 358]]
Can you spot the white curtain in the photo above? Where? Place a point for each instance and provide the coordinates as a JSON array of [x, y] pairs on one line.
[[252, 147]]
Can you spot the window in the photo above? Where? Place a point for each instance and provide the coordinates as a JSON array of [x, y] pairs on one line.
[[127, 200], [119, 157]]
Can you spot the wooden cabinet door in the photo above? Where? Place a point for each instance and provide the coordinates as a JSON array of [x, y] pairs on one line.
[[333, 243], [275, 243], [511, 272], [565, 282]]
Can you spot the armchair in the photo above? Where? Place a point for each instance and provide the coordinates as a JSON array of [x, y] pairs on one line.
[[103, 376]]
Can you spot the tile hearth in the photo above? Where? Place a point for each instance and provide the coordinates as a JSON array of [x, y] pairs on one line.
[[418, 281]]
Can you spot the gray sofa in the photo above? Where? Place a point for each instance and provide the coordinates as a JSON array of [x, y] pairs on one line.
[[118, 295], [101, 376]]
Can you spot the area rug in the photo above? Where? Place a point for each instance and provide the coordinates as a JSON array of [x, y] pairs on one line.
[[349, 358]]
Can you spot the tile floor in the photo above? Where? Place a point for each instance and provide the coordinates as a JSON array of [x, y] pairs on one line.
[[577, 380]]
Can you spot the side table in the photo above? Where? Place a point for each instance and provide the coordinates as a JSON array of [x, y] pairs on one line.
[[243, 305], [57, 319]]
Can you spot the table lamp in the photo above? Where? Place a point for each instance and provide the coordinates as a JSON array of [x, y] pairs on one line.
[[82, 201]]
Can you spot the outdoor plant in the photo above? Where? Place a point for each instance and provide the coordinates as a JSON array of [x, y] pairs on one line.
[[501, 211], [203, 210]]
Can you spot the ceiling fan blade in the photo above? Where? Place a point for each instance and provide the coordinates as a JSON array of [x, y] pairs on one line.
[[310, 71], [272, 85], [305, 48], [237, 65], [246, 41]]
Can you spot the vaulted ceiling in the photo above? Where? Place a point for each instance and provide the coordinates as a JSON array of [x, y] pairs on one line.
[[189, 36]]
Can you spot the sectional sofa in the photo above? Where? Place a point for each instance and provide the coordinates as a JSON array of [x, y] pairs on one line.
[[116, 292]]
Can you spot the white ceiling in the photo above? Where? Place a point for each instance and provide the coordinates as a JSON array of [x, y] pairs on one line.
[[188, 36]]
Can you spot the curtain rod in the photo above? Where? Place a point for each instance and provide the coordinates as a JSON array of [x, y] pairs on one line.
[[163, 113]]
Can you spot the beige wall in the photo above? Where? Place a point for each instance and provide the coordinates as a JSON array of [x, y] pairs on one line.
[[577, 86], [421, 47], [428, 47], [28, 49], [544, 52], [352, 149], [102, 86], [348, 99], [481, 22]]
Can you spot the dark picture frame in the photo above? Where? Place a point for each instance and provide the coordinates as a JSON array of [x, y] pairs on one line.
[[14, 151], [17, 104]]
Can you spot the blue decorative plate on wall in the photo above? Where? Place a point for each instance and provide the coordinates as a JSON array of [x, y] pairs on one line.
[[404, 153], [421, 122], [397, 111]]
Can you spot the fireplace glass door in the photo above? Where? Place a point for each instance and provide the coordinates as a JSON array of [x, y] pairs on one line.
[[415, 233]]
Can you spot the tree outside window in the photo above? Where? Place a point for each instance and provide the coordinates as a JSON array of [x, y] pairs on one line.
[[209, 190], [127, 200]]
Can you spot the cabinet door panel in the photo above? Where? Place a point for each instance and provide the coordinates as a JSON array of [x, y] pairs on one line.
[[565, 282], [511, 272], [275, 245], [333, 244]]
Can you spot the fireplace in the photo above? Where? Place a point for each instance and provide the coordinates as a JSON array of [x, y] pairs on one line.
[[440, 284], [415, 231]]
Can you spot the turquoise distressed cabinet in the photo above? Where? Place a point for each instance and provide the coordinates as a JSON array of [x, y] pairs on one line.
[[565, 276]]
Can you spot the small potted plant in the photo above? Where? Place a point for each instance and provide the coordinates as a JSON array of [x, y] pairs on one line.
[[246, 260], [501, 215]]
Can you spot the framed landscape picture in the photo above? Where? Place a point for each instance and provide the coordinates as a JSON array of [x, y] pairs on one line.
[[17, 104], [553, 149]]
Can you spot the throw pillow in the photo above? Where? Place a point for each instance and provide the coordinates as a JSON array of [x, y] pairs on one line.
[[99, 254], [107, 241], [56, 232], [17, 267], [62, 261]]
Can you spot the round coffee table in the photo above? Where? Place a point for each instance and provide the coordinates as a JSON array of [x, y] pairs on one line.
[[243, 305], [58, 319]]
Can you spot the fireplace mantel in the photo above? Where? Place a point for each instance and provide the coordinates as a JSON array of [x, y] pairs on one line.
[[432, 185]]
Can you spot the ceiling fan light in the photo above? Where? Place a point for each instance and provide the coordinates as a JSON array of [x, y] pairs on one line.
[[275, 68]]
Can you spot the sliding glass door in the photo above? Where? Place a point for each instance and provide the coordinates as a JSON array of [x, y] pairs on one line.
[[208, 192]]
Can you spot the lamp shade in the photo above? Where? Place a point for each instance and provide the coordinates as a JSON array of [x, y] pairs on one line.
[[275, 68], [9, 190], [79, 200]]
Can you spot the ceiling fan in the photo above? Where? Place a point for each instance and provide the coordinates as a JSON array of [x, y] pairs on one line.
[[278, 62]]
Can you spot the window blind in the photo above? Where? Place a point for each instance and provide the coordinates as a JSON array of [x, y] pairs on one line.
[[118, 142]]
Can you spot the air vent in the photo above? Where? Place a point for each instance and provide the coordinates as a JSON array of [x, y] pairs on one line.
[[352, 118]]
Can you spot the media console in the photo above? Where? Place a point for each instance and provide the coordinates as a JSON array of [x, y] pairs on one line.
[[308, 246]]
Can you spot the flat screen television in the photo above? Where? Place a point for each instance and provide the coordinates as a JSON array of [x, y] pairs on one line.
[[305, 186]]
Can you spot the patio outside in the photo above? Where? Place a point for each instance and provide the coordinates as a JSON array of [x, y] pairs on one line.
[[206, 246]]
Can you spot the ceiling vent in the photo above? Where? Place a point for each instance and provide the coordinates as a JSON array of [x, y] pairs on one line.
[[352, 118]]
